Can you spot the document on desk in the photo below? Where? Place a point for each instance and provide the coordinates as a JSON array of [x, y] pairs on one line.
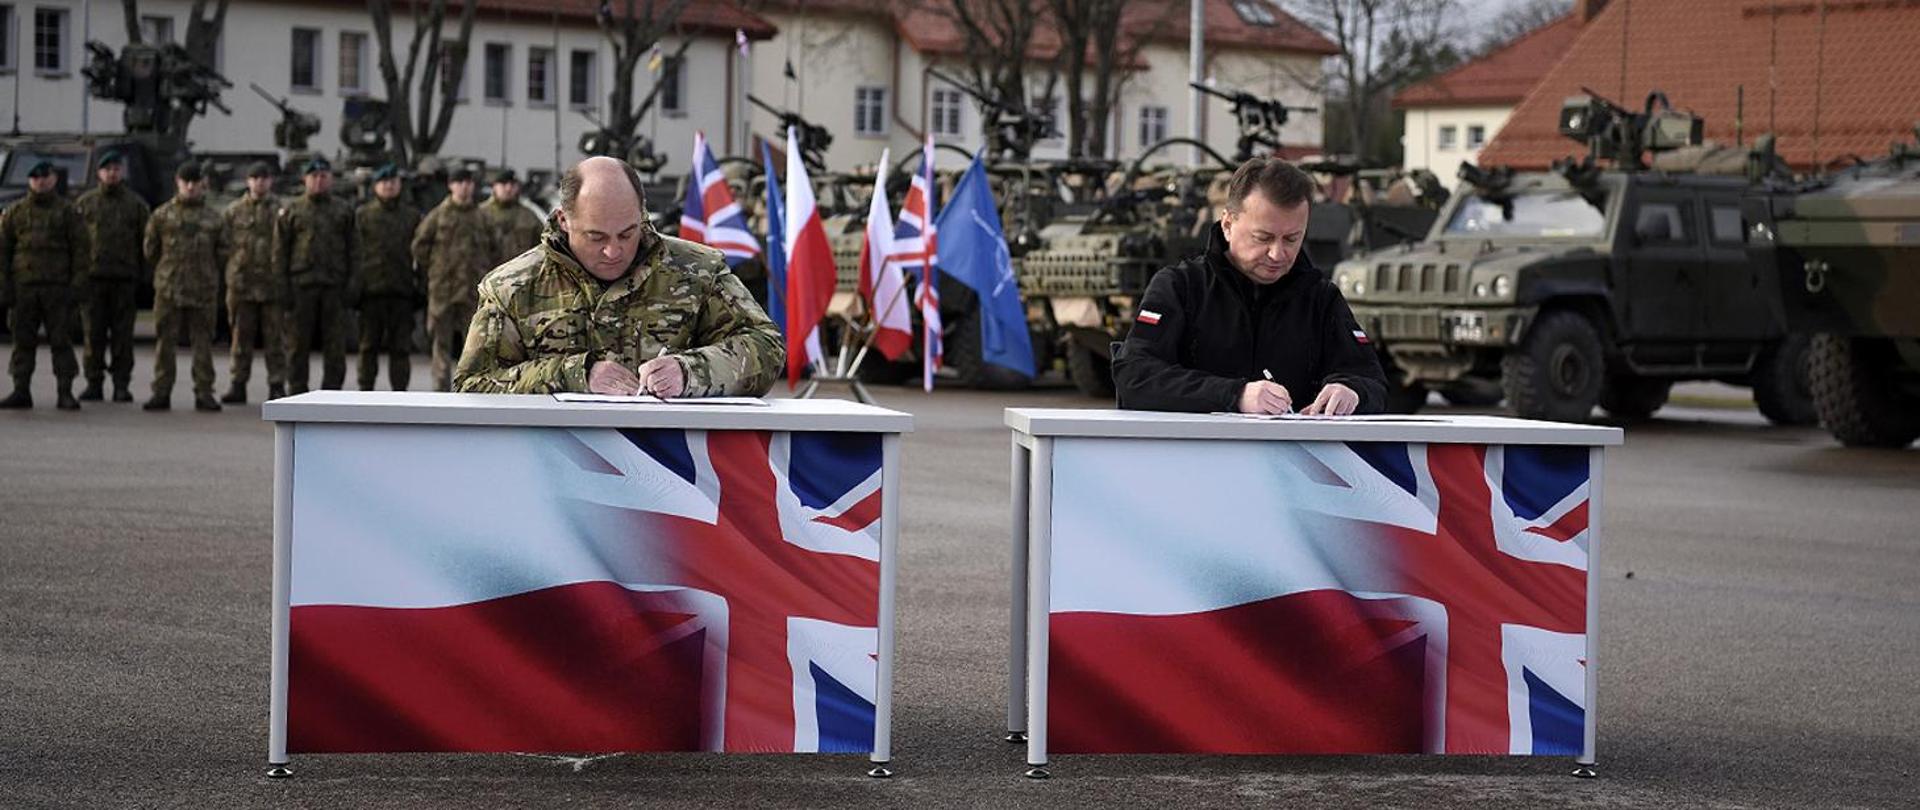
[[649, 399], [1399, 419]]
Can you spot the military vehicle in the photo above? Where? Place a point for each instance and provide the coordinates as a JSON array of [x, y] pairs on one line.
[[1586, 285], [1846, 253]]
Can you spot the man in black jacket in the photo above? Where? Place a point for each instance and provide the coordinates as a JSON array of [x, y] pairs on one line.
[[1251, 325]]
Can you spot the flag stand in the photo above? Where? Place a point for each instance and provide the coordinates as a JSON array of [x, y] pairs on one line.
[[846, 366]]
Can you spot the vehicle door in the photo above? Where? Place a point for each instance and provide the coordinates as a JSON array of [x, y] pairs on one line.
[[1735, 307], [1663, 260]]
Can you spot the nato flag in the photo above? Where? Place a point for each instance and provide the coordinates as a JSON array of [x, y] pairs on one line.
[[973, 251], [776, 247]]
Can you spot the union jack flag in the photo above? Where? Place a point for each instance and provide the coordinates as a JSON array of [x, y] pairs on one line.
[[915, 244], [710, 215]]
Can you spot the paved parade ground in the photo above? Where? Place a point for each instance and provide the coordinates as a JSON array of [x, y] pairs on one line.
[[1760, 637]]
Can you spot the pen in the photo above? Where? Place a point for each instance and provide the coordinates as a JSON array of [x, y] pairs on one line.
[[642, 390], [1269, 375]]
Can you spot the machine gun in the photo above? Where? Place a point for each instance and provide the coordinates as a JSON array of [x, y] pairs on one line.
[[1616, 133], [813, 138], [364, 127], [161, 86], [1011, 128], [294, 127], [1260, 119]]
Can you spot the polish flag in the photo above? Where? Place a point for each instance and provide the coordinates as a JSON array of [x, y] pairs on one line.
[[810, 270], [881, 282]]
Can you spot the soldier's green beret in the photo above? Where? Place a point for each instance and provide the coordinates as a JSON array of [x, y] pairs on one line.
[[41, 169], [190, 172], [260, 168], [318, 165], [461, 175], [386, 172], [110, 157], [505, 176]]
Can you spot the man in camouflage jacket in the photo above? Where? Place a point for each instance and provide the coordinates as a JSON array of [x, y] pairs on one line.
[[384, 286], [43, 255], [116, 219], [515, 226], [608, 306], [313, 251], [256, 295], [455, 247], [186, 243]]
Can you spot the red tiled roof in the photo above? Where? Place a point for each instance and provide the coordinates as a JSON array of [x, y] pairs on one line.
[[719, 17], [1844, 83], [934, 31], [1501, 77]]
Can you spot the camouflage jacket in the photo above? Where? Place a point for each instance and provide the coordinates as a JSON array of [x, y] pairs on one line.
[[543, 321], [514, 227], [42, 241], [382, 267], [116, 218], [454, 246], [250, 275], [187, 245], [313, 241]]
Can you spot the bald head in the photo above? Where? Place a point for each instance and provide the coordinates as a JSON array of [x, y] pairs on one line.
[[603, 212]]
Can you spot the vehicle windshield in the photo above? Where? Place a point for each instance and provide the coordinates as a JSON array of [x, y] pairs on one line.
[[1529, 213], [23, 161]]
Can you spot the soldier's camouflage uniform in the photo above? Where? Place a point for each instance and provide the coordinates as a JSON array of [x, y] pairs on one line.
[[455, 247], [256, 295], [43, 257], [543, 322], [385, 289], [312, 250], [116, 220], [515, 227], [187, 245]]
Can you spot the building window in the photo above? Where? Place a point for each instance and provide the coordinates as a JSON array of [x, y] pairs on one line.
[[499, 59], [539, 75], [157, 30], [945, 110], [1153, 125], [1476, 136], [1449, 137], [673, 85], [581, 79], [1255, 12], [353, 63], [306, 60], [870, 110], [50, 40], [6, 38]]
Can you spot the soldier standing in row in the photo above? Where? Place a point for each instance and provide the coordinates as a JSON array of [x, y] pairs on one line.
[[312, 248], [116, 218], [456, 247], [43, 254], [384, 287], [187, 245], [514, 225], [256, 295]]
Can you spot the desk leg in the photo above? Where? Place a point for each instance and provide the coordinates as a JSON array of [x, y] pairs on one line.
[[1596, 488], [889, 569], [1017, 626], [1039, 584], [277, 762]]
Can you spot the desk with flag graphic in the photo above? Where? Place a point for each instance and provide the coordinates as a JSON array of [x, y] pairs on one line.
[[1204, 583], [472, 572]]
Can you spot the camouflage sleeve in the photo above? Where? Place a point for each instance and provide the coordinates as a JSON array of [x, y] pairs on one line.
[[740, 349], [494, 361], [423, 240], [282, 246], [79, 250], [140, 226], [6, 256], [151, 244]]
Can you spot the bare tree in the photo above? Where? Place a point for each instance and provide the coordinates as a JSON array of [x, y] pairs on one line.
[[1384, 45], [421, 99], [1098, 40], [998, 35], [1518, 20], [632, 33]]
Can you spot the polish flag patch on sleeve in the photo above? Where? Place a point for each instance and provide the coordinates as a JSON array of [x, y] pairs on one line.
[[1147, 316], [1360, 337]]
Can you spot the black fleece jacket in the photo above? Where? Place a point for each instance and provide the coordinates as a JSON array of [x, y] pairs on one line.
[[1204, 330]]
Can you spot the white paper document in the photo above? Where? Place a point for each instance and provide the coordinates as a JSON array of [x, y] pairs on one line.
[[649, 399], [1371, 417]]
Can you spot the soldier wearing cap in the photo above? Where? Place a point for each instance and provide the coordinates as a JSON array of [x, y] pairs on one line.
[[43, 257], [256, 295], [313, 251], [609, 306], [385, 286], [186, 242], [514, 225], [115, 218], [455, 247]]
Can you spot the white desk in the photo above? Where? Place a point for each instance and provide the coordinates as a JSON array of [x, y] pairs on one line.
[[1139, 532], [487, 572]]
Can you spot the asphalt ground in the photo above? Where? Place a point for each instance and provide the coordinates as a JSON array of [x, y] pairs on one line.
[[1760, 637]]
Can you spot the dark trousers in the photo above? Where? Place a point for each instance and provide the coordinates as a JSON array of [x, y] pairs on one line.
[[319, 314], [386, 325], [38, 307], [108, 317]]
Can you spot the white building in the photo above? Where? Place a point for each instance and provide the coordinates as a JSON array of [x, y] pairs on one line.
[[539, 69], [1450, 117]]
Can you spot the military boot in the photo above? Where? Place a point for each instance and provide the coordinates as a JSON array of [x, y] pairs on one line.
[[276, 391], [205, 402], [92, 392], [20, 398], [159, 402], [65, 400], [121, 394], [236, 395]]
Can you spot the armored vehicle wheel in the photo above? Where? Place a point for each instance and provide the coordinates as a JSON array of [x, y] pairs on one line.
[[964, 354], [1853, 386], [1557, 373], [1472, 392], [1780, 382], [1091, 373], [1627, 396]]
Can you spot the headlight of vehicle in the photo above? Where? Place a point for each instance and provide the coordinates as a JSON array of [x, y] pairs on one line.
[[1480, 290], [1502, 286], [1359, 288]]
